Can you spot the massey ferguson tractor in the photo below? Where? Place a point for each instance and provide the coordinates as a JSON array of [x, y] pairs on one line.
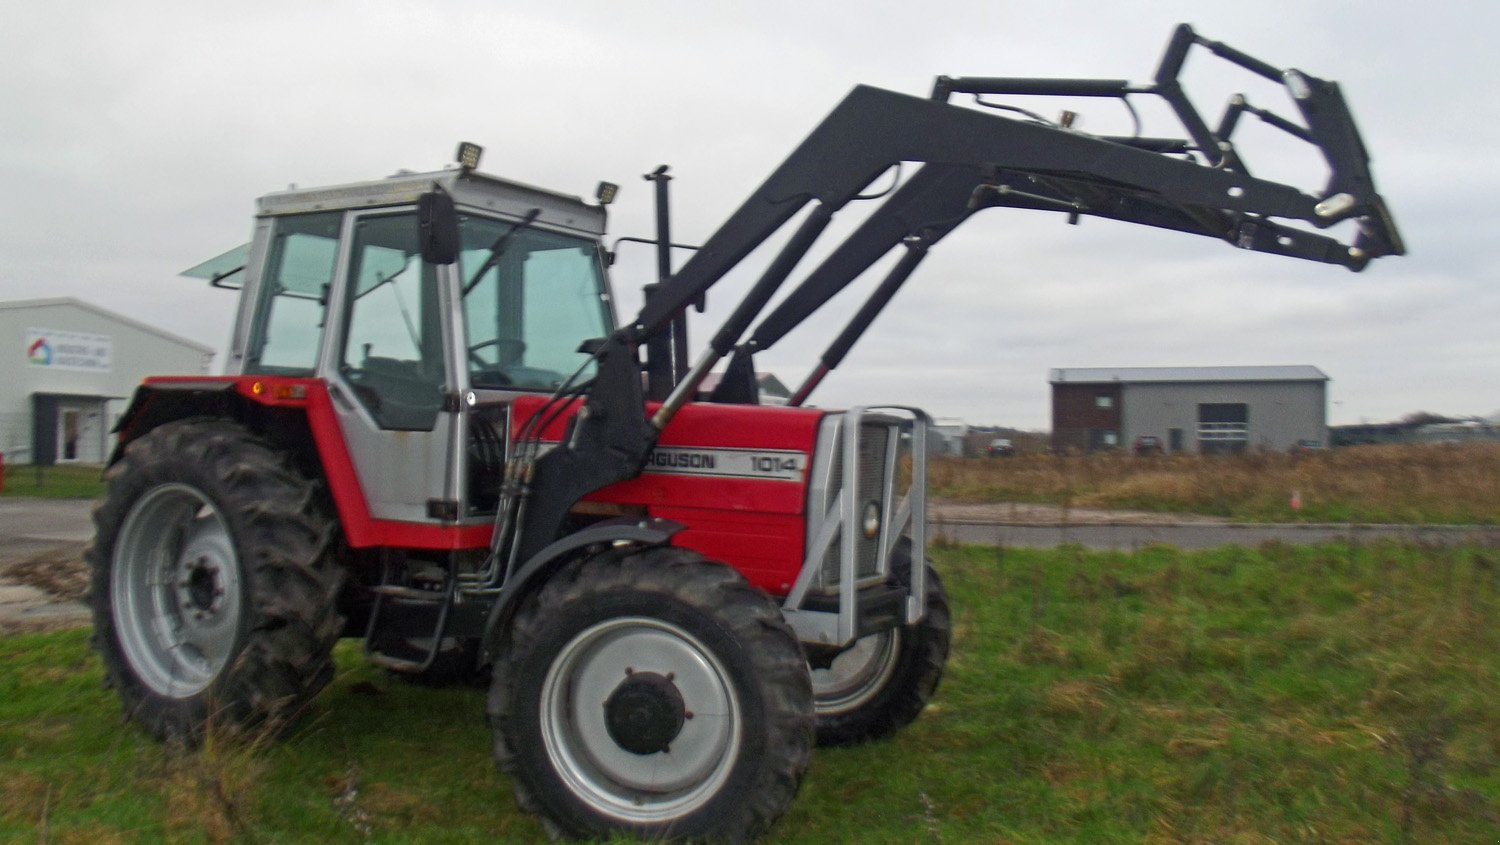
[[434, 434]]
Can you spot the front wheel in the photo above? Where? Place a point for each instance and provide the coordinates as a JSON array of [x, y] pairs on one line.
[[654, 693], [881, 683]]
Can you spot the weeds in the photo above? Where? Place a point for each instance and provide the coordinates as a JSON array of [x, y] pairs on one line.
[[1452, 484]]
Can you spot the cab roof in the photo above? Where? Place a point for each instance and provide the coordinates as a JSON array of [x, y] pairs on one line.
[[471, 191]]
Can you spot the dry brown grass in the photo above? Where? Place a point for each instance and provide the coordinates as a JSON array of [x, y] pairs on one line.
[[1404, 484]]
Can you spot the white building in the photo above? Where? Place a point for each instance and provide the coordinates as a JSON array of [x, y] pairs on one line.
[[946, 436], [67, 371]]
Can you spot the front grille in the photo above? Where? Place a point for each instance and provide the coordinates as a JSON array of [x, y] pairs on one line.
[[873, 441]]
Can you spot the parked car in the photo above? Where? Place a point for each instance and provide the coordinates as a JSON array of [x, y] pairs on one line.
[[1148, 444], [1000, 447]]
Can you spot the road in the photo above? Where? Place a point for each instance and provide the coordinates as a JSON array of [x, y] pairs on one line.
[[1199, 535], [55, 530]]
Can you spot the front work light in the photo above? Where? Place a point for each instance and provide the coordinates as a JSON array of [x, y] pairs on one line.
[[605, 193], [468, 155]]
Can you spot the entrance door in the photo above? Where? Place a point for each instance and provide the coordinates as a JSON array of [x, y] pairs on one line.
[[391, 373], [80, 431], [67, 435], [1223, 428]]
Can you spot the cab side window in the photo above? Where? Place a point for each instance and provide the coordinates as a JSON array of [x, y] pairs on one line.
[[294, 298]]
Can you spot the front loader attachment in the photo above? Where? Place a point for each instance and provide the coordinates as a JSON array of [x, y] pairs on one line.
[[971, 158]]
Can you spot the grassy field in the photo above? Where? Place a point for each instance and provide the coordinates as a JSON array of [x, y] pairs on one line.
[[1395, 484], [63, 481], [1330, 694]]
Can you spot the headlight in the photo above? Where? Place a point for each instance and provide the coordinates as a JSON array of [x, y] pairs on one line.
[[870, 521]]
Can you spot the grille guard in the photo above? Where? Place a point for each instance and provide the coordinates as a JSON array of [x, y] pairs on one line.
[[907, 518]]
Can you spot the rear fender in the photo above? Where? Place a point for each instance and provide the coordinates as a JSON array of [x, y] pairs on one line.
[[542, 565], [157, 403]]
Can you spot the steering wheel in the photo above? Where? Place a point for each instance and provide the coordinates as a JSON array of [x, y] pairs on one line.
[[509, 348], [491, 374]]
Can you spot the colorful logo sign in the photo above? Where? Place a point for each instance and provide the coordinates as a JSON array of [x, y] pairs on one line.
[[77, 351]]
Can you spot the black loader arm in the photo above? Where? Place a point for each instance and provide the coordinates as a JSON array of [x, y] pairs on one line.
[[970, 159]]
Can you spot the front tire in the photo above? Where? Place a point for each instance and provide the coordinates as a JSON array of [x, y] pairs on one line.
[[213, 592], [880, 684], [654, 693]]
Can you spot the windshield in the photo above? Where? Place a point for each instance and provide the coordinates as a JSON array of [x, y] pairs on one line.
[[537, 296]]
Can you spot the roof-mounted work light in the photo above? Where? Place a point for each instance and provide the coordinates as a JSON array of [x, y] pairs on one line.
[[605, 193], [468, 155]]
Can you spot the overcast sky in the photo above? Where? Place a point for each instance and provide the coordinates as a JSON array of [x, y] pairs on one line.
[[136, 137]]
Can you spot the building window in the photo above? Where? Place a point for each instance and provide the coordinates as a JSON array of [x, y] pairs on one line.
[[1103, 400]]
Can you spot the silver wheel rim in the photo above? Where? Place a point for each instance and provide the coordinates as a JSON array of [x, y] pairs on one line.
[[175, 591], [857, 674], [639, 788]]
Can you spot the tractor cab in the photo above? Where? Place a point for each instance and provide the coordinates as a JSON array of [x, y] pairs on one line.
[[341, 285]]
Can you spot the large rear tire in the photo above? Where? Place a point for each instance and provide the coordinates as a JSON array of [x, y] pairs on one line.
[[213, 591], [654, 693], [882, 682]]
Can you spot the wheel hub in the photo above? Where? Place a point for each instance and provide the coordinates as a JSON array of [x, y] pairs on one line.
[[645, 713], [199, 589]]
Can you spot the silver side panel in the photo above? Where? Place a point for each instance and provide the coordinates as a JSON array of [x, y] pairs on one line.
[[857, 474]]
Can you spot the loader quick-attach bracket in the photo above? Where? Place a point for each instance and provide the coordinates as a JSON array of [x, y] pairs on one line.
[[971, 159]]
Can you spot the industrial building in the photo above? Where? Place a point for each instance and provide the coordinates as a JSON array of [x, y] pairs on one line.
[[69, 370], [1207, 410]]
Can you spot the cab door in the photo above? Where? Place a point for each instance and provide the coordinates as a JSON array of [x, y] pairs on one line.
[[389, 371]]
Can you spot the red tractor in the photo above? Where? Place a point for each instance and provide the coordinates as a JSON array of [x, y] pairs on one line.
[[433, 434]]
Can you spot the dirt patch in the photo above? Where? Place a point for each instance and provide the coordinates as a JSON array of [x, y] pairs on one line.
[[44, 592], [59, 572]]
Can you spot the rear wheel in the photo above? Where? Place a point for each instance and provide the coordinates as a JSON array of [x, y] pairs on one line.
[[654, 693], [213, 593], [882, 682]]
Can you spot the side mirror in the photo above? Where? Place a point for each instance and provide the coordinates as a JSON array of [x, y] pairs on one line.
[[437, 227]]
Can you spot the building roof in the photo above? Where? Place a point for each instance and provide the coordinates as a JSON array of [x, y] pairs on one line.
[[1156, 375], [21, 304]]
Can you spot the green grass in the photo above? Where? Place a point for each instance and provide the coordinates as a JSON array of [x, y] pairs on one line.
[[62, 481], [1280, 694]]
